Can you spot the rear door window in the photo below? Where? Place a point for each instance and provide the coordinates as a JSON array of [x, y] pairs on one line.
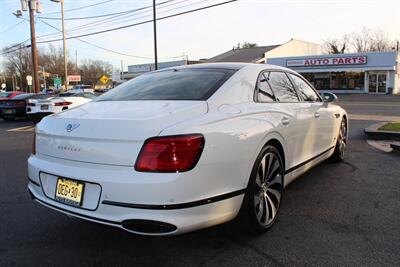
[[172, 84], [307, 93], [282, 86], [264, 91]]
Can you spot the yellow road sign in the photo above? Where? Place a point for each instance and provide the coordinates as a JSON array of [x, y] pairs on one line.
[[104, 79]]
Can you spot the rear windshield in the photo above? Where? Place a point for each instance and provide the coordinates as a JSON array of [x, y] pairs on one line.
[[22, 96], [181, 84]]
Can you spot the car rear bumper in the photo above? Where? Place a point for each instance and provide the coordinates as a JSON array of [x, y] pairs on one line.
[[15, 112], [133, 216], [38, 115]]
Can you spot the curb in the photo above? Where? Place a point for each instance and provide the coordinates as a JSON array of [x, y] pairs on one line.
[[373, 133]]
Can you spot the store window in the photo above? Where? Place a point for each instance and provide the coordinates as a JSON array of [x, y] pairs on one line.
[[336, 80]]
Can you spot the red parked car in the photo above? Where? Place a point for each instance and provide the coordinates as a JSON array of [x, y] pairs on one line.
[[11, 94]]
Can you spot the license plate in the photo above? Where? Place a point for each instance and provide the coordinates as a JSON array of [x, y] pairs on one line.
[[44, 107], [8, 111], [69, 192]]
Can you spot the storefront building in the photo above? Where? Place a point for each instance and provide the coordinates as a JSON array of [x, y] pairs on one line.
[[373, 72]]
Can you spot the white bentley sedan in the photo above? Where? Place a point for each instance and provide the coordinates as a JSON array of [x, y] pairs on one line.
[[186, 148]]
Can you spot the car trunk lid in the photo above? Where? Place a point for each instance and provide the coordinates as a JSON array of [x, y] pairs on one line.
[[110, 132]]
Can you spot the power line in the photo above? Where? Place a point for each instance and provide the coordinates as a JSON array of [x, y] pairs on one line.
[[103, 48], [143, 22], [12, 27], [131, 25], [80, 8], [101, 22], [122, 19], [106, 15]]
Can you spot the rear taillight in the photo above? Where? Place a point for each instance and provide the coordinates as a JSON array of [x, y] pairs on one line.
[[178, 153], [34, 144], [62, 104], [30, 104]]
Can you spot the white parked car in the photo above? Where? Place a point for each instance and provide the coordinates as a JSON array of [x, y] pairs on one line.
[[80, 88], [186, 148], [38, 108]]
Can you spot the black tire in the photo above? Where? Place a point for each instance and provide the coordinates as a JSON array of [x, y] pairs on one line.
[[341, 143], [267, 192], [8, 118], [35, 121]]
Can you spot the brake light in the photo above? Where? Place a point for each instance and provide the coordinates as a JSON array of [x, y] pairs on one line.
[[30, 104], [178, 153], [34, 144], [62, 104]]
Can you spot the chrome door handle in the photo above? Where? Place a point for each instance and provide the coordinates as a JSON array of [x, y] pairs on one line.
[[285, 121], [317, 115]]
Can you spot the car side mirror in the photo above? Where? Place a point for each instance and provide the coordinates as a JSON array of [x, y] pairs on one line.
[[329, 97]]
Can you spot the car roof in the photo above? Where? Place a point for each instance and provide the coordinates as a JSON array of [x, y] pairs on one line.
[[230, 65]]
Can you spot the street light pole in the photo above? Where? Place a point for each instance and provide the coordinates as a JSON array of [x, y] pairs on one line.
[[155, 35], [36, 82]]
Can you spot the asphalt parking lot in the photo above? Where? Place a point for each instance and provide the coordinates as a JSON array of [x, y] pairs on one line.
[[335, 215]]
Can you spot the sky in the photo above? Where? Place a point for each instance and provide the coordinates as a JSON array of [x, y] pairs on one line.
[[201, 34]]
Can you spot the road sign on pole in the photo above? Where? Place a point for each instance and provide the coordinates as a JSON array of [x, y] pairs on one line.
[[29, 80], [104, 79], [57, 82]]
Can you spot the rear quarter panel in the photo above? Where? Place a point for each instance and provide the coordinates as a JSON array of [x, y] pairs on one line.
[[232, 144]]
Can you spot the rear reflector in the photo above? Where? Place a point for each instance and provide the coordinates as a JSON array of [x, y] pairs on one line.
[[178, 153]]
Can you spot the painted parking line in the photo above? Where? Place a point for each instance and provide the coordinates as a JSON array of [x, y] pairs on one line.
[[373, 117], [29, 128]]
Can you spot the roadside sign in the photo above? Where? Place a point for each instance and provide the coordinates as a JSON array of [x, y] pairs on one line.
[[57, 82], [74, 78], [104, 79], [29, 80], [116, 76]]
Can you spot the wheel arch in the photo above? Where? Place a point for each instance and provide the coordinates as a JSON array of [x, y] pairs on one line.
[[274, 139]]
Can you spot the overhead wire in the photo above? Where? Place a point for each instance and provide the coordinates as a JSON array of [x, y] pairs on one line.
[[79, 8], [100, 47], [99, 22], [131, 25], [143, 22], [116, 17], [105, 15], [12, 27]]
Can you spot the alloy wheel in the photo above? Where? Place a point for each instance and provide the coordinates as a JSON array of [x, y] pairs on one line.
[[342, 138], [269, 186]]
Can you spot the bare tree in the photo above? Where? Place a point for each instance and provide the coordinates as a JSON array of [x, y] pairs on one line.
[[17, 64], [381, 41], [335, 46], [92, 70], [245, 45], [364, 40]]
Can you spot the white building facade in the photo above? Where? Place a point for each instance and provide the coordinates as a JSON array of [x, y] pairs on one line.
[[373, 72]]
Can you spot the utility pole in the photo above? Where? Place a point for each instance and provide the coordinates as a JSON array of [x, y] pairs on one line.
[[76, 60], [44, 77], [64, 43], [155, 35], [33, 6], [36, 82], [64, 47]]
